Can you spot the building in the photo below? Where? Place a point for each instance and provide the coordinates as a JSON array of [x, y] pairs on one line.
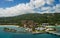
[[45, 24], [29, 23], [40, 28]]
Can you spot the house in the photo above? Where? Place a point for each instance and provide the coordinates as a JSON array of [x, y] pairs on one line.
[[45, 24]]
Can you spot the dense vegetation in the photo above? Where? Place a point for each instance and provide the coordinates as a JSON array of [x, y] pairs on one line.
[[51, 18]]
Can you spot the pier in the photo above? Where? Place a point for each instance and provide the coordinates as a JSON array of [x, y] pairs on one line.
[[55, 33]]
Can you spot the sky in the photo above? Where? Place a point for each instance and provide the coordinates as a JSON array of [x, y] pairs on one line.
[[10, 8]]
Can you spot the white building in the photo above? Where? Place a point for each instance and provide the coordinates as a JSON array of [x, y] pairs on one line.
[[45, 24], [40, 28]]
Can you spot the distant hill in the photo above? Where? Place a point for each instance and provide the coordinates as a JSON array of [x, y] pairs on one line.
[[36, 17]]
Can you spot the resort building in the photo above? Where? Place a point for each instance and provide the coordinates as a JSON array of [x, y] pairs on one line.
[[45, 24], [40, 28], [29, 23]]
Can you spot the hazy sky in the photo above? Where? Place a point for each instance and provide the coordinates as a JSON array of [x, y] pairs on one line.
[[18, 7]]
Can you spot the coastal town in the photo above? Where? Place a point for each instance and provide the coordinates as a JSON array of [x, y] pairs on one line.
[[34, 28]]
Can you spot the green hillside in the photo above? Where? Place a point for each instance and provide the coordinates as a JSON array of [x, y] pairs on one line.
[[36, 17]]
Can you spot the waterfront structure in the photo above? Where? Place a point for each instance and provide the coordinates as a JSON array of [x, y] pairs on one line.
[[40, 28], [49, 29], [29, 23], [45, 24]]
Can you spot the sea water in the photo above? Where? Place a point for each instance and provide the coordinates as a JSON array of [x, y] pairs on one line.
[[4, 34], [23, 35]]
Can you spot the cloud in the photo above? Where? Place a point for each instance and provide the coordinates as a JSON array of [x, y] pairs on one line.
[[34, 6], [49, 1], [16, 10], [37, 3], [47, 9], [57, 8]]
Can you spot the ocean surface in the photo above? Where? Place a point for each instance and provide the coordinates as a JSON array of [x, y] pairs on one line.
[[4, 34]]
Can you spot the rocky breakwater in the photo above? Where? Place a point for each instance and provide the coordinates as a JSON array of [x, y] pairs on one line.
[[9, 30]]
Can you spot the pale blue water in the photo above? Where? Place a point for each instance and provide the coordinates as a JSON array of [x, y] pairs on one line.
[[24, 35]]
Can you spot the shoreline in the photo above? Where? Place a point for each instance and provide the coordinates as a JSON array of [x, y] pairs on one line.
[[31, 32], [9, 26]]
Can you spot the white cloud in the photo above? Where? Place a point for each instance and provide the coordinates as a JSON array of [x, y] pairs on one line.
[[28, 8], [49, 1], [57, 8], [37, 3], [16, 10]]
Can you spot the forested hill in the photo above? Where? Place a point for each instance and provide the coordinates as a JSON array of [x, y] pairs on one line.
[[36, 17]]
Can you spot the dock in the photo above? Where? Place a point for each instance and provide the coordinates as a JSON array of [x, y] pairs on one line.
[[55, 33]]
